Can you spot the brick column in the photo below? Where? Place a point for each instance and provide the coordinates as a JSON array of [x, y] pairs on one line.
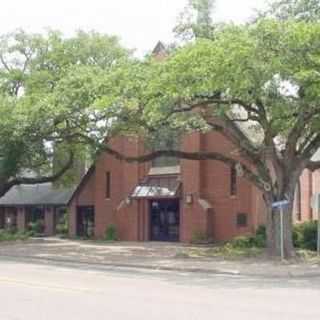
[[193, 219], [49, 221], [21, 219], [72, 216], [2, 218]]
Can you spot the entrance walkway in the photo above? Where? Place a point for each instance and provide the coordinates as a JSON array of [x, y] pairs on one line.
[[150, 255]]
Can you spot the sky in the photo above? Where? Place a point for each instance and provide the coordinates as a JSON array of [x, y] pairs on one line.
[[138, 23]]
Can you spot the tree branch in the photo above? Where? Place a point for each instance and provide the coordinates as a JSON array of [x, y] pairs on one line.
[[6, 186], [261, 182], [313, 165]]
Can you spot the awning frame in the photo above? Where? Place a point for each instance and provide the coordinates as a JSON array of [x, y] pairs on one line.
[[153, 191]]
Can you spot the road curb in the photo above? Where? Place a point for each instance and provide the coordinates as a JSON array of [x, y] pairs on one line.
[[127, 265], [120, 265]]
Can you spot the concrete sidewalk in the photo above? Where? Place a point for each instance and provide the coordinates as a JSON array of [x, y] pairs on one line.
[[152, 255]]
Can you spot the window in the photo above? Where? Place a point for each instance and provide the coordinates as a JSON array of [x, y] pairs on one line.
[[167, 139], [242, 220], [298, 202], [108, 185], [233, 181]]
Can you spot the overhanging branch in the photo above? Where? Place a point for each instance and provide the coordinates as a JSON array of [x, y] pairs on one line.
[[313, 165], [6, 186], [199, 156]]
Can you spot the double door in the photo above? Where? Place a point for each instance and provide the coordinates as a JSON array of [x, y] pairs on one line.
[[165, 220]]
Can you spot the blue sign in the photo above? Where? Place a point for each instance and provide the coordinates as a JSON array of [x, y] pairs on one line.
[[280, 204]]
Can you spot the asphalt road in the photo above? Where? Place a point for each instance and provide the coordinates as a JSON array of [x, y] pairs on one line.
[[45, 292]]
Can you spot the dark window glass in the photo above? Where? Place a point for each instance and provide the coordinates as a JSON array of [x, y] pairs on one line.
[[233, 181], [298, 201], [242, 220], [108, 185], [166, 143]]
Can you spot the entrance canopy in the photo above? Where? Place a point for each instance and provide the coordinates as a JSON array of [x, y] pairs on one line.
[[158, 187]]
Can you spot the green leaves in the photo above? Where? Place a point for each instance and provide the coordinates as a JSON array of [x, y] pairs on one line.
[[300, 10], [271, 62], [48, 88]]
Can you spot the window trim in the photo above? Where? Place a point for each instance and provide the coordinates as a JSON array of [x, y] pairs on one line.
[[233, 181], [239, 216]]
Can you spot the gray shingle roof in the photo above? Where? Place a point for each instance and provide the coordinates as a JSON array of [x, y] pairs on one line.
[[316, 156], [39, 194]]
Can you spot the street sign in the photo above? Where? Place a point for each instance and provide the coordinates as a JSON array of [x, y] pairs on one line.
[[280, 204]]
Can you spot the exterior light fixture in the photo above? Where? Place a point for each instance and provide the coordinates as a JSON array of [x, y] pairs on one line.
[[128, 201], [189, 198]]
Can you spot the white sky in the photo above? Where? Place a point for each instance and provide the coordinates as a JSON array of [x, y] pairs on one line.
[[139, 23]]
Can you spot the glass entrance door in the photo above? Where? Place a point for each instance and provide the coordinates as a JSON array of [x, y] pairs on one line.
[[85, 221], [165, 220]]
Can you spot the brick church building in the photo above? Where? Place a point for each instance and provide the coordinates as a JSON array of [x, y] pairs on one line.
[[164, 200], [174, 200], [170, 200]]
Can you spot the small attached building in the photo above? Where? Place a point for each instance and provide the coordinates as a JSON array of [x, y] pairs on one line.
[[26, 204]]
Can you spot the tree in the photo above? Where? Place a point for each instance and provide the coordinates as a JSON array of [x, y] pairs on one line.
[[47, 84], [196, 20], [307, 10], [260, 80]]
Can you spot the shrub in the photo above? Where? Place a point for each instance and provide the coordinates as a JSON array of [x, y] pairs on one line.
[[258, 241], [111, 233], [305, 235], [36, 228], [7, 235], [199, 237], [261, 232], [63, 225], [241, 242]]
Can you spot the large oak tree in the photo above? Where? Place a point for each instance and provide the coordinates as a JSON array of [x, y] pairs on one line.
[[258, 85], [47, 83]]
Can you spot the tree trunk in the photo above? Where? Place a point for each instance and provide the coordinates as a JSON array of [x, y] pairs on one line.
[[273, 226]]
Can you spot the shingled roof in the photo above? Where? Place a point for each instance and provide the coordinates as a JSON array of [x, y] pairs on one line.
[[39, 194], [316, 156]]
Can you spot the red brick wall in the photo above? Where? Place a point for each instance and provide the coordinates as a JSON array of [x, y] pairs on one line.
[[84, 197], [207, 180], [210, 180], [49, 221], [194, 219], [21, 219], [124, 177]]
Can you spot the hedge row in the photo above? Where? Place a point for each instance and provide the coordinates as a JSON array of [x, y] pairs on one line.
[[304, 237]]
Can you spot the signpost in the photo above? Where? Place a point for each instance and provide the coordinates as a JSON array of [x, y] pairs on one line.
[[315, 205], [281, 205]]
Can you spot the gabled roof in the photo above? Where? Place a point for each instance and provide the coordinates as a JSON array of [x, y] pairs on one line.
[[316, 156], [82, 182], [159, 49], [39, 194]]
